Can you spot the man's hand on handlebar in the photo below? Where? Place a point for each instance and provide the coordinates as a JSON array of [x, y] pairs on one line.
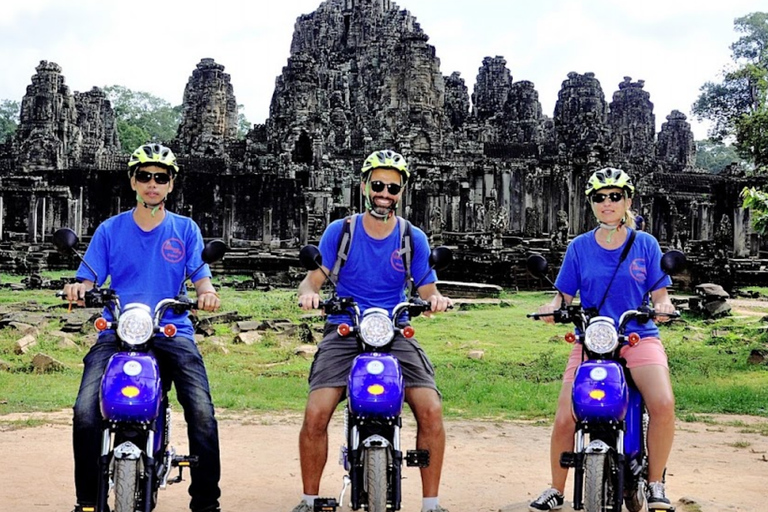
[[309, 301], [75, 292], [439, 304], [547, 310]]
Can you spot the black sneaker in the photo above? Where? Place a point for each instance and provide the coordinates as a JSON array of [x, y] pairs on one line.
[[657, 499], [551, 499]]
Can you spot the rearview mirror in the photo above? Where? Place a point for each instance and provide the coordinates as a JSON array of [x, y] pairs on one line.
[[310, 257], [537, 265]]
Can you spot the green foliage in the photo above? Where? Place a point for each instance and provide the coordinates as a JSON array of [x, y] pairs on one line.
[[738, 105], [9, 119], [142, 117], [757, 202], [517, 377], [716, 156], [243, 125]]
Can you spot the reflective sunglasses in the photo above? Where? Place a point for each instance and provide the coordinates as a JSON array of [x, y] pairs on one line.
[[392, 188], [615, 197], [161, 178]]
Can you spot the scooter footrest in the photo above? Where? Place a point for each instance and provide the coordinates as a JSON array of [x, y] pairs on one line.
[[184, 461], [326, 505], [418, 458], [567, 460]]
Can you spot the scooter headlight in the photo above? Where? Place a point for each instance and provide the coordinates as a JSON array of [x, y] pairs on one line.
[[376, 327], [600, 336], [135, 325]]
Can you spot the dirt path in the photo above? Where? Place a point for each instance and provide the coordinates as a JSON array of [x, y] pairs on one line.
[[490, 466]]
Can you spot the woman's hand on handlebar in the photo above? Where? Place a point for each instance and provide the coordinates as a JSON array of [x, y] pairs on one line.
[[661, 309]]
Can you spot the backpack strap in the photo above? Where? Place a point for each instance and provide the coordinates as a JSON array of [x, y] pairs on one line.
[[406, 252], [344, 244], [623, 256]]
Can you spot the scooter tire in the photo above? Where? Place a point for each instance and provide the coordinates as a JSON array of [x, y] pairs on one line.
[[126, 485], [376, 478], [598, 482]]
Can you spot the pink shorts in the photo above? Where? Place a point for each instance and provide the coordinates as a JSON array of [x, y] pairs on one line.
[[647, 352]]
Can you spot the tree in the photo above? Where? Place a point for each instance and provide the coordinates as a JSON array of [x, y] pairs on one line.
[[243, 125], [757, 201], [142, 117], [9, 119], [738, 106], [716, 156]]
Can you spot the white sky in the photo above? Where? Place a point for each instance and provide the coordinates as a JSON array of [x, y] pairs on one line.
[[153, 46]]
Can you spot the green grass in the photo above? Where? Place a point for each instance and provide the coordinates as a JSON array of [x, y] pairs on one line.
[[517, 378]]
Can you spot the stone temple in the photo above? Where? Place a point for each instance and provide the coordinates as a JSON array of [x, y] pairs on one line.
[[495, 177]]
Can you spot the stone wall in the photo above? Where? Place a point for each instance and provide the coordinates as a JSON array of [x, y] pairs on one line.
[[362, 76]]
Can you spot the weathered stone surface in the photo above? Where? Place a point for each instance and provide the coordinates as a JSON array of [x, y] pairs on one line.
[[249, 337], [362, 76], [476, 354], [23, 345], [758, 356], [712, 291], [209, 114], [43, 363]]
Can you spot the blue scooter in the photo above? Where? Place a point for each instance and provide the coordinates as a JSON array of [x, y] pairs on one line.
[[610, 455], [136, 457], [372, 455]]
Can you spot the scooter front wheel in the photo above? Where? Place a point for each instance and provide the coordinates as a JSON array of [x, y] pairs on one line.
[[126, 485], [598, 482], [376, 478]]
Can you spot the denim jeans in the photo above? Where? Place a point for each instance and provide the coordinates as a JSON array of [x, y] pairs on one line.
[[181, 363]]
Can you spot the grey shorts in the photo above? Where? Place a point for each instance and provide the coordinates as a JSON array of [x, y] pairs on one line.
[[335, 354]]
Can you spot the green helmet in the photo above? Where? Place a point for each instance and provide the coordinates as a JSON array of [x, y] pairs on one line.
[[385, 159], [153, 154], [610, 177]]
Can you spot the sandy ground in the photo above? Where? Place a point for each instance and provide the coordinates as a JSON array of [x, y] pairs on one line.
[[489, 466]]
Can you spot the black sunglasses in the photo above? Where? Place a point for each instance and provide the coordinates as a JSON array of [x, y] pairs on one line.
[[615, 197], [392, 188], [161, 178]]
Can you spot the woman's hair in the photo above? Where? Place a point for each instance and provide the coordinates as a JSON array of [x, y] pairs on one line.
[[629, 219]]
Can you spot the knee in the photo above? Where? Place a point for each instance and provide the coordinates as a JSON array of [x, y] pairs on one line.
[[315, 422], [564, 424], [429, 417], [662, 408]]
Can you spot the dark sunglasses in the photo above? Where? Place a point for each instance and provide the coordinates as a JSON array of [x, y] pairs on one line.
[[392, 188], [161, 178], [615, 197]]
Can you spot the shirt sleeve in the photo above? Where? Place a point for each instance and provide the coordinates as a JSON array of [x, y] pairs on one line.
[[569, 277]]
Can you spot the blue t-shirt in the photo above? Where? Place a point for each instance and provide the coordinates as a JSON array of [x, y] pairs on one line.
[[374, 273], [146, 267], [587, 270]]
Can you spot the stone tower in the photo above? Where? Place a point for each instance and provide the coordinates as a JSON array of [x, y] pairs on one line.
[[209, 112], [48, 135]]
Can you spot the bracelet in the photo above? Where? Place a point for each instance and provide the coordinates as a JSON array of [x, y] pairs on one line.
[[207, 292]]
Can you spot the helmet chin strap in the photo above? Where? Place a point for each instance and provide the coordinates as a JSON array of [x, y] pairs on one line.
[[153, 207], [612, 228]]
